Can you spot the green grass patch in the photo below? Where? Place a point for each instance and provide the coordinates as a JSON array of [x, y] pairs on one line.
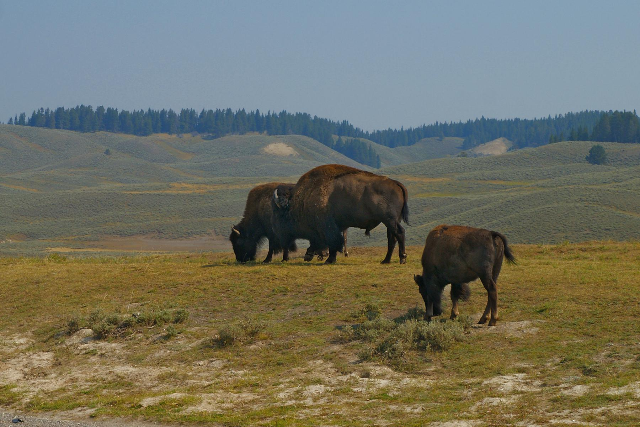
[[308, 344]]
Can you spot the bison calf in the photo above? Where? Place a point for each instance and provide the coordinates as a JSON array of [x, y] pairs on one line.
[[456, 255]]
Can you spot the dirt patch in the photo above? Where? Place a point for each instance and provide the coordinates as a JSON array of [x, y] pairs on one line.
[[222, 401], [460, 423], [633, 389], [280, 149], [576, 391], [511, 329], [492, 148], [512, 383], [149, 244], [18, 187]]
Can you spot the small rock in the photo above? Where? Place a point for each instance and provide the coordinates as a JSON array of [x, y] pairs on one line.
[[17, 420]]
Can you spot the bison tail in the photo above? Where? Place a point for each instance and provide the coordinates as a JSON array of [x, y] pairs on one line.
[[507, 251], [405, 205], [405, 212], [460, 291]]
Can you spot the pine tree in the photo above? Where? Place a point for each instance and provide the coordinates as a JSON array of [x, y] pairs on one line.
[[597, 155]]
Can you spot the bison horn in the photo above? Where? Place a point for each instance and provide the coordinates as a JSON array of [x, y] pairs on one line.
[[235, 230], [275, 198]]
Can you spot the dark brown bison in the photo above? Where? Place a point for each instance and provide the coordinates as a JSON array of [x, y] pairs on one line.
[[331, 198], [256, 226], [457, 255]]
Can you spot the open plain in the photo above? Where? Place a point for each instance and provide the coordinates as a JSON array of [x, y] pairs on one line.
[[198, 339]]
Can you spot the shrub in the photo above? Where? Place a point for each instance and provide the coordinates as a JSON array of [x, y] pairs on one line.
[[115, 324], [370, 311], [393, 339], [242, 332]]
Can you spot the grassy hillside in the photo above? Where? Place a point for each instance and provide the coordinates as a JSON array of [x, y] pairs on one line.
[[541, 195], [425, 149], [60, 189], [201, 340], [66, 157]]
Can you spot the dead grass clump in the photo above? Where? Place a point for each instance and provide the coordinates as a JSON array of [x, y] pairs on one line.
[[393, 339], [370, 311], [242, 332], [115, 324]]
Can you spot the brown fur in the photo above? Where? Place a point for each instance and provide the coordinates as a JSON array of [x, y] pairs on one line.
[[256, 225], [331, 198], [458, 254]]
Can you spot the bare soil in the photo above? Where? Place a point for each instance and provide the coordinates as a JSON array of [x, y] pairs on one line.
[[211, 243], [280, 149]]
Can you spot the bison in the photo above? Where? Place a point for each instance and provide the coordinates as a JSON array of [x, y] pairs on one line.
[[256, 225], [331, 198], [457, 255]]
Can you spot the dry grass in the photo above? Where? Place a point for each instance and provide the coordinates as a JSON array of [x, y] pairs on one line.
[[262, 346]]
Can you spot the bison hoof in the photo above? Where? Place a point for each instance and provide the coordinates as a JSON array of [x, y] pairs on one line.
[[385, 261], [482, 321], [493, 322], [403, 260], [346, 254]]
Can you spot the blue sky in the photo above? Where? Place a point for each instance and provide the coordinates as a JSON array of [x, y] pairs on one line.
[[376, 64]]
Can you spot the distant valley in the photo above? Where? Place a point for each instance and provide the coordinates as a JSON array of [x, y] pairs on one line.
[[76, 191]]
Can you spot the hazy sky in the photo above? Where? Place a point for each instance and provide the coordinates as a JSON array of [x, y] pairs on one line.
[[376, 64]]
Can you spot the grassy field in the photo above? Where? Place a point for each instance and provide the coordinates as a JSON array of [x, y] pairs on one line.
[[199, 339]]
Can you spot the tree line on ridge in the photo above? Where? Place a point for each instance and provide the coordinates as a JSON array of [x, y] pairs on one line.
[[586, 125]]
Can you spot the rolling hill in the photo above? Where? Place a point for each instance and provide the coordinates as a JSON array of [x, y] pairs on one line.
[[72, 190], [540, 195], [425, 149]]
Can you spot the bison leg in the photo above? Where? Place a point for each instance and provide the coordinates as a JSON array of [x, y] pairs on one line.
[[454, 302], [285, 255], [492, 300], [269, 254], [332, 257], [401, 248], [344, 235], [391, 244], [335, 242]]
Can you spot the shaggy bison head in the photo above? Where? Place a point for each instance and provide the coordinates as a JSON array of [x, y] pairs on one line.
[[244, 246], [282, 196], [431, 295]]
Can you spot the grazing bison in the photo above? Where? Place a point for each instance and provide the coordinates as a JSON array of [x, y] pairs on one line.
[[256, 225], [331, 198], [457, 254]]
